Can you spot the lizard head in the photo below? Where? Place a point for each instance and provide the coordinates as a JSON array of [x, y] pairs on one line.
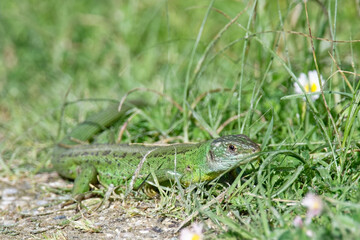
[[230, 151]]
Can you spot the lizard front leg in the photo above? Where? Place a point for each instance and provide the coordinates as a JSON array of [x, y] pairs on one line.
[[86, 174]]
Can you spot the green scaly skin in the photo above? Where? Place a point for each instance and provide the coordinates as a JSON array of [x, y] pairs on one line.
[[117, 164]]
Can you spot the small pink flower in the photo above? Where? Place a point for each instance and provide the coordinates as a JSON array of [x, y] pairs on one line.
[[298, 222]]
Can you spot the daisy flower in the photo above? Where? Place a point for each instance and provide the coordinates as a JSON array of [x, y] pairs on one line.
[[310, 83], [314, 204], [194, 232]]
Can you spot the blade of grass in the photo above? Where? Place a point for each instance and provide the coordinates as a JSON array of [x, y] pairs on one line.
[[187, 78], [290, 181], [268, 133], [242, 67], [203, 123], [233, 226]]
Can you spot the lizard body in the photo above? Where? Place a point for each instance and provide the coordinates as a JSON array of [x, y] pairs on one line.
[[118, 163]]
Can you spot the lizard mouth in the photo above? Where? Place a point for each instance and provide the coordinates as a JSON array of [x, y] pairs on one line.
[[256, 148]]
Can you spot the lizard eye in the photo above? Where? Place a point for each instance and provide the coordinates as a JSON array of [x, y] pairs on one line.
[[232, 148]]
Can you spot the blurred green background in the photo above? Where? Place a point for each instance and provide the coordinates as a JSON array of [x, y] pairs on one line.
[[57, 51]]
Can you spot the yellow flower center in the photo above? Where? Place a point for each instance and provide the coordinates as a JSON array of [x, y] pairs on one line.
[[306, 88], [195, 237], [313, 87], [316, 205]]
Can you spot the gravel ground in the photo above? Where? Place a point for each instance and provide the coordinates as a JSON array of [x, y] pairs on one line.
[[29, 211]]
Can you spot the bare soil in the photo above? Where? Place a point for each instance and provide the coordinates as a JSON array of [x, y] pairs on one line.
[[29, 210]]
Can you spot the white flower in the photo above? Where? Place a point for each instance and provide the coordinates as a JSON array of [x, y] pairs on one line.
[[310, 83], [194, 232], [314, 204]]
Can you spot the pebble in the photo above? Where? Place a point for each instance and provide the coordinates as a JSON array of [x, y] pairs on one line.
[[8, 223], [41, 202], [9, 191]]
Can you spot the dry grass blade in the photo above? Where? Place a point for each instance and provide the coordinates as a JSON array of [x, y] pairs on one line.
[[123, 127], [204, 94], [291, 32], [169, 139], [106, 198], [342, 73], [228, 121], [137, 171]]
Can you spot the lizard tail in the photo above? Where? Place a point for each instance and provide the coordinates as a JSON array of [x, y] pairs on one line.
[[97, 123]]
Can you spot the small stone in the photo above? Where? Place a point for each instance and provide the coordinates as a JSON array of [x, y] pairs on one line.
[[7, 198], [21, 203], [27, 198], [109, 235], [157, 229], [9, 223], [9, 191], [42, 202], [60, 217]]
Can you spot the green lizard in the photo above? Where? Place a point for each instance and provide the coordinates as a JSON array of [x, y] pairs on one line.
[[136, 164]]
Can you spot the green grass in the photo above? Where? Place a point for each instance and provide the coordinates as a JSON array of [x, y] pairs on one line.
[[56, 52]]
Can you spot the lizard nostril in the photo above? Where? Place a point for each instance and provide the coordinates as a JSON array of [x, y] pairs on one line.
[[256, 149]]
